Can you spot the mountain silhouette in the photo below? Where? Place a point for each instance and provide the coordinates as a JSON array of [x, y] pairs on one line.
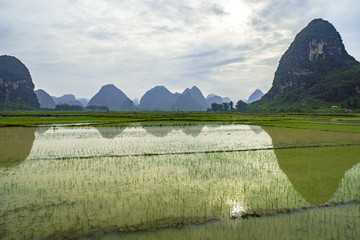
[[316, 71], [158, 98], [113, 98], [255, 96], [186, 102], [197, 96], [16, 85], [67, 99], [45, 100]]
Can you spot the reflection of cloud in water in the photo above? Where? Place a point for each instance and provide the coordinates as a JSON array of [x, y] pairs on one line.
[[110, 132], [15, 145], [314, 172]]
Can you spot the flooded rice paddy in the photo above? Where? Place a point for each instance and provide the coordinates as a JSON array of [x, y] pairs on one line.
[[179, 182]]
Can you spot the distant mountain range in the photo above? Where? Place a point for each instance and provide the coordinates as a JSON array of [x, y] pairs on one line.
[[67, 99], [84, 101], [50, 102], [160, 98], [212, 98]]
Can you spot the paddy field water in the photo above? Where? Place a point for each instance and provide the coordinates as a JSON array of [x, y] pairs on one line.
[[189, 181]]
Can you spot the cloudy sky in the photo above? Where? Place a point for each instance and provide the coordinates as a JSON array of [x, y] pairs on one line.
[[227, 47]]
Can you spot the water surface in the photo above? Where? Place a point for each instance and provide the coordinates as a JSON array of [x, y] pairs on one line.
[[95, 182]]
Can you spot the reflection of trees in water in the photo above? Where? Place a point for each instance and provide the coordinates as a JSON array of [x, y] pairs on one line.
[[314, 172], [110, 132], [15, 145], [162, 131]]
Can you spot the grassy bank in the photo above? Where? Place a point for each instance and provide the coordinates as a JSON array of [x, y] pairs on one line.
[[333, 122]]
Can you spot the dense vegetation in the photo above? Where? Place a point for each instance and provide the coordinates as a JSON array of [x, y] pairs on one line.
[[220, 107], [67, 107], [97, 108]]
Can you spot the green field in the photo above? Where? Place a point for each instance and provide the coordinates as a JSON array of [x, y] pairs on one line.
[[307, 120], [179, 176]]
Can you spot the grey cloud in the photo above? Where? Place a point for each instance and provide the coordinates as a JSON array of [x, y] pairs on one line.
[[5, 32], [197, 55], [172, 10], [223, 63], [167, 29], [244, 47], [195, 74], [152, 42], [218, 10], [279, 14], [269, 61], [100, 35], [105, 35]]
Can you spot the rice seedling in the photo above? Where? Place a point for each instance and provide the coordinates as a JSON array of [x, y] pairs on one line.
[[77, 183]]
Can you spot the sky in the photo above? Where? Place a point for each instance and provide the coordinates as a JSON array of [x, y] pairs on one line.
[[226, 47]]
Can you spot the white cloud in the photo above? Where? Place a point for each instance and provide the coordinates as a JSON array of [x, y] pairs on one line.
[[228, 47]]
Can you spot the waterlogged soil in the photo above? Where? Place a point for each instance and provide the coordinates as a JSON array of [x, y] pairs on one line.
[[178, 182]]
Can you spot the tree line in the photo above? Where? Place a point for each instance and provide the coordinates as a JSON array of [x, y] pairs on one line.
[[240, 106], [67, 107]]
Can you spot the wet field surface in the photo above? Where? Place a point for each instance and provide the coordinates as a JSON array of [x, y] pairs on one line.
[[179, 182]]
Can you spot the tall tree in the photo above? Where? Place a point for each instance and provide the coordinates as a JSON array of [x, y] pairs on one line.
[[241, 106]]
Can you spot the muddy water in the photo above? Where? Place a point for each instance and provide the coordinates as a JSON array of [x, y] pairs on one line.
[[111, 183]]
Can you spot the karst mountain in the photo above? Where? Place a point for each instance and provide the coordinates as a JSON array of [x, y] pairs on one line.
[[316, 71]]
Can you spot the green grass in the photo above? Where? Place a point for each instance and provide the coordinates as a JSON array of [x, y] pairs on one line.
[[337, 122]]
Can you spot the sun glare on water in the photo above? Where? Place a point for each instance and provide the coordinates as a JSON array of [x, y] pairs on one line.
[[237, 209]]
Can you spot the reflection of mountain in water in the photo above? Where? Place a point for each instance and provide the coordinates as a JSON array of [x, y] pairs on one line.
[[192, 130], [15, 145], [314, 172], [110, 132], [158, 131], [42, 130], [256, 129], [165, 130]]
